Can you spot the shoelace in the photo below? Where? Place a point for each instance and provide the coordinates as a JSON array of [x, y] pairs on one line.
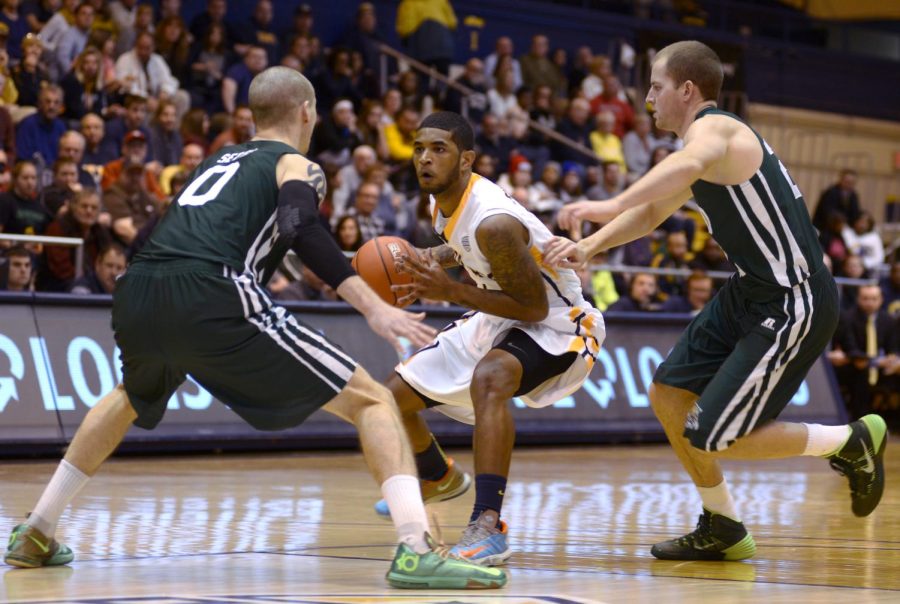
[[702, 535], [438, 546], [858, 484]]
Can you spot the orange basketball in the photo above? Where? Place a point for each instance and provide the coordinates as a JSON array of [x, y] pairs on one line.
[[376, 262]]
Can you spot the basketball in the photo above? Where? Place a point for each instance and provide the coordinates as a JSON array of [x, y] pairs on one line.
[[376, 262]]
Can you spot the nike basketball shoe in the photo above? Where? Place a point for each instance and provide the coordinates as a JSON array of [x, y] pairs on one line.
[[30, 548], [861, 460], [451, 485]]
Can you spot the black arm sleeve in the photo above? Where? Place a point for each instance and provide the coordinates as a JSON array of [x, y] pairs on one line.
[[298, 222]]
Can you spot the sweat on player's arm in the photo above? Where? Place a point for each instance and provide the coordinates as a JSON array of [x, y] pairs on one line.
[[504, 242]]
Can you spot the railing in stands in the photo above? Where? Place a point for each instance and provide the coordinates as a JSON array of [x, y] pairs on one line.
[[75, 242], [387, 51]]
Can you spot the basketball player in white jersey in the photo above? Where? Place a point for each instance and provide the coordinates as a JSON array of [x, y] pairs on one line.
[[530, 333]]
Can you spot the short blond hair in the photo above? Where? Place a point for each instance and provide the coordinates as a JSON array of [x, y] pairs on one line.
[[276, 93], [694, 61]]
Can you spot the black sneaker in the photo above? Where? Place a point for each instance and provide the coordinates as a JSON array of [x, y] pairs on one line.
[[861, 460], [716, 537]]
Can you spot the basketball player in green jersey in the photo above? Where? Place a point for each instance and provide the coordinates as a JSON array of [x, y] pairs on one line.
[[741, 360], [193, 303]]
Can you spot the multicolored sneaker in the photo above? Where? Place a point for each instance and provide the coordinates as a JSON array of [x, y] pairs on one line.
[[453, 484], [484, 541], [861, 460], [716, 537], [30, 548], [440, 569]]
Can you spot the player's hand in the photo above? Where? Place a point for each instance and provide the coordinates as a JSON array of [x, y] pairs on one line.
[[393, 323], [563, 252], [430, 280], [572, 214]]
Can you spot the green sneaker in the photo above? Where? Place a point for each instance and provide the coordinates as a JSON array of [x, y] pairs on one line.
[[861, 460], [716, 537], [29, 548], [439, 569]]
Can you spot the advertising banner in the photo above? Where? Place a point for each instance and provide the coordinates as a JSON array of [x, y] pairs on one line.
[[57, 361]]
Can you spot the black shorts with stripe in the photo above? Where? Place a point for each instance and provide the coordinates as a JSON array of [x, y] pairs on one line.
[[746, 354], [193, 317]]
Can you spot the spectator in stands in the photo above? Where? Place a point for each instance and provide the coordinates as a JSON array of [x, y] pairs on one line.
[[399, 135], [425, 30], [98, 150], [81, 220], [302, 25], [866, 345], [890, 288], [7, 134], [195, 128], [83, 88], [851, 268], [236, 85], [863, 240], [711, 258], [350, 177], [560, 58], [240, 132], [542, 112], [57, 25], [124, 14], [502, 97], [57, 194], [134, 118], [840, 198], [571, 187], [38, 12], [576, 126], [518, 182], [337, 135], [832, 239], [491, 141], [676, 255], [548, 186], [109, 266], [610, 100], [143, 23], [606, 144], [71, 146], [580, 68], [503, 48], [191, 156], [364, 38], [30, 75], [611, 184], [214, 16], [476, 102], [5, 175], [699, 291], [17, 274], [392, 102], [592, 86], [165, 139], [144, 73], [21, 211], [638, 145], [73, 40], [538, 69], [134, 152], [348, 234], [391, 209], [37, 136], [371, 127], [129, 203], [641, 295], [210, 57], [363, 210], [486, 167], [173, 43], [258, 31]]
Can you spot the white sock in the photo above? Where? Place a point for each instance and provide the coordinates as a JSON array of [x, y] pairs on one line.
[[718, 500], [65, 484], [825, 440], [404, 500]]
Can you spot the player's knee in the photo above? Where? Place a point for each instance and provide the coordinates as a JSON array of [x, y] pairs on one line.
[[493, 382], [407, 400]]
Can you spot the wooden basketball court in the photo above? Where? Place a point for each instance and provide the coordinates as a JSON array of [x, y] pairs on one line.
[[300, 528]]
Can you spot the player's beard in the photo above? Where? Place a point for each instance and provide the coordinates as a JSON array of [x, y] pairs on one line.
[[440, 187]]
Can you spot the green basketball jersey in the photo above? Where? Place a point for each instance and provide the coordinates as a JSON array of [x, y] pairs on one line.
[[226, 212], [762, 224]]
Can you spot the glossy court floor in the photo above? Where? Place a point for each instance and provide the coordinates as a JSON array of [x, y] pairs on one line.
[[299, 527]]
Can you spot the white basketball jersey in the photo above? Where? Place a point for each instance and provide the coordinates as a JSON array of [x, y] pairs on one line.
[[482, 199]]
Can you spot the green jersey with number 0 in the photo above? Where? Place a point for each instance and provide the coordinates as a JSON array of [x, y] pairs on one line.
[[226, 212]]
